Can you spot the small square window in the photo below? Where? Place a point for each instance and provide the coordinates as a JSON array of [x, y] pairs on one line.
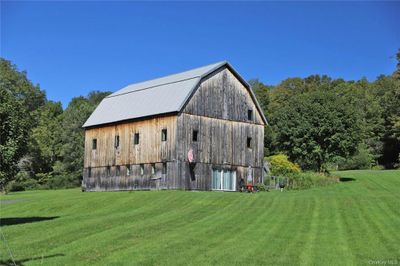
[[136, 139], [108, 171], [128, 170], [118, 171], [153, 168], [249, 142], [116, 143], [142, 169], [164, 168], [164, 135], [195, 135], [94, 144], [250, 115]]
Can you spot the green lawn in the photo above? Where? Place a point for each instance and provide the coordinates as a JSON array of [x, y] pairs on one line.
[[354, 222]]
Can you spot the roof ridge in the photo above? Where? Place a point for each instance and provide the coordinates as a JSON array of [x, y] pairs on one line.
[[126, 90], [151, 87]]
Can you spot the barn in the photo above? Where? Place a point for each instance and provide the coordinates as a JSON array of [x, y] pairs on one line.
[[201, 129]]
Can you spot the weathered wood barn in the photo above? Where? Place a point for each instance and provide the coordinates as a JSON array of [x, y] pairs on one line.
[[201, 129]]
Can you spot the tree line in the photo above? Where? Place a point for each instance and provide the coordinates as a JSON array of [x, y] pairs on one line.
[[41, 145], [327, 124], [318, 122]]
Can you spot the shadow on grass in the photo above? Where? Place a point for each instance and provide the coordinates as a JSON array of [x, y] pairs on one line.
[[24, 220], [346, 179], [21, 262]]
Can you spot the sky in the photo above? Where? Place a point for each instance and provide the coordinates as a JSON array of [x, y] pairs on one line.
[[71, 48]]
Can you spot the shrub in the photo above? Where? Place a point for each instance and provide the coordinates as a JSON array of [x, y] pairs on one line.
[[14, 186], [363, 159], [280, 165], [23, 181], [62, 181], [261, 187], [378, 167], [22, 185], [310, 179]]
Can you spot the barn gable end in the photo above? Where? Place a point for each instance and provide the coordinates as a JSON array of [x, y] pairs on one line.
[[222, 95]]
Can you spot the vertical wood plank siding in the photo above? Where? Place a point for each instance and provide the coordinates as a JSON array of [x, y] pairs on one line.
[[223, 96], [218, 111], [149, 150]]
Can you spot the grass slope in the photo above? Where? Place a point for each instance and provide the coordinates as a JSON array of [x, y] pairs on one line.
[[349, 223]]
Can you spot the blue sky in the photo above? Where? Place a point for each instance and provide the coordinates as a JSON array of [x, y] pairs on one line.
[[71, 48]]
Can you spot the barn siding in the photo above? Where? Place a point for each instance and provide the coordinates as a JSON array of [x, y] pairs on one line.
[[218, 111], [150, 149], [223, 96], [220, 141], [221, 144]]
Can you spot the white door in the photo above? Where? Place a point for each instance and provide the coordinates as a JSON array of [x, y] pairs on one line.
[[223, 180]]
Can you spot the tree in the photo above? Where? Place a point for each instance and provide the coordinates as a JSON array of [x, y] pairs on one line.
[[16, 82], [387, 90], [45, 140], [19, 102], [315, 127], [72, 136], [396, 74], [14, 128]]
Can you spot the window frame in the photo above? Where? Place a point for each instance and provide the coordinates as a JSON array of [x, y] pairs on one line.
[[222, 177], [108, 171], [164, 134], [116, 141], [128, 170], [250, 116], [195, 135], [118, 170], [142, 169], [136, 138], [249, 142], [94, 144], [164, 168]]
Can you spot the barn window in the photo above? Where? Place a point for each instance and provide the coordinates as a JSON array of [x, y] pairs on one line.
[[250, 115], [195, 135], [164, 168], [89, 172], [94, 144], [136, 139], [142, 169], [118, 171], [164, 135], [108, 171], [128, 170], [249, 142], [153, 168], [116, 142]]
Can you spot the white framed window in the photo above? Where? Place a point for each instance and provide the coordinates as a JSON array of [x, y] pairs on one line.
[[224, 180], [141, 169], [128, 170]]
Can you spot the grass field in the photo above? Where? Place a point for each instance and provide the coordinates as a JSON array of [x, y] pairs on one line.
[[353, 222]]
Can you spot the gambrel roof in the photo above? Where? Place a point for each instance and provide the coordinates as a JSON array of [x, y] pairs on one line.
[[164, 95]]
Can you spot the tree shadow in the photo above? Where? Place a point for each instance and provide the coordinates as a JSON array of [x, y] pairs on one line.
[[23, 220], [10, 262], [346, 179]]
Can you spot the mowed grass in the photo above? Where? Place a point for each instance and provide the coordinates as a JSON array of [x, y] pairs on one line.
[[354, 222]]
